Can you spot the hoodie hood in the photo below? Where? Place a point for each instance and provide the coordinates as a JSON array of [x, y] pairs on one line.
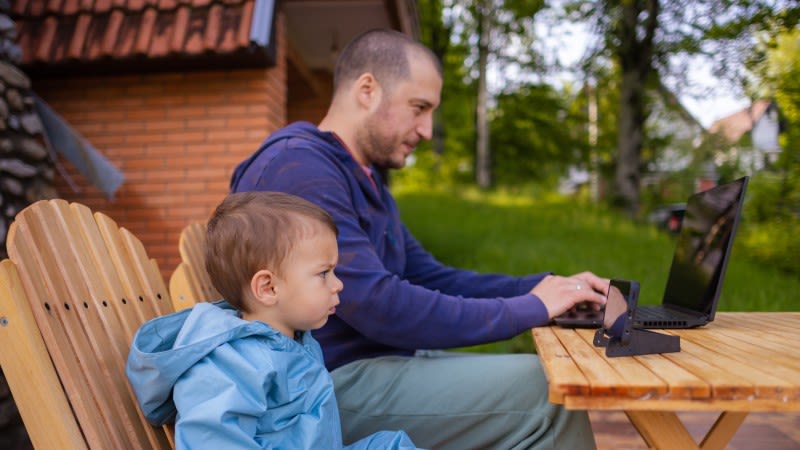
[[249, 171], [164, 348]]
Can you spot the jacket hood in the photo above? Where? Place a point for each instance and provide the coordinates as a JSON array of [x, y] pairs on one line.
[[167, 346], [298, 130]]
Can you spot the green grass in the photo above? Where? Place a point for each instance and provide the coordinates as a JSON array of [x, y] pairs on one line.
[[518, 235]]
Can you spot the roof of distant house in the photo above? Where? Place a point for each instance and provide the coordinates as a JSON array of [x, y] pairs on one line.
[[124, 34], [734, 126]]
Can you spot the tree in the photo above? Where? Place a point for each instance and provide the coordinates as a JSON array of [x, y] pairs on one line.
[[501, 33], [660, 38], [535, 136]]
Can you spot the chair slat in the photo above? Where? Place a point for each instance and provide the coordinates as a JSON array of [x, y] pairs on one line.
[[29, 371], [191, 279], [30, 247], [182, 289], [91, 285]]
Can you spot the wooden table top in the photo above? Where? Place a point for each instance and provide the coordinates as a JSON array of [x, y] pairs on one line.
[[739, 362]]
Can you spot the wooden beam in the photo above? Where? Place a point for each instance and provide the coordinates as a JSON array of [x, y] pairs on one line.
[[294, 58]]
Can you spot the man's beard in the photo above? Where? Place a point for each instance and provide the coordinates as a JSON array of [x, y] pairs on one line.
[[380, 148]]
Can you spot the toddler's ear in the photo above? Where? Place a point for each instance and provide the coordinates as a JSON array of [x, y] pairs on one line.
[[262, 286]]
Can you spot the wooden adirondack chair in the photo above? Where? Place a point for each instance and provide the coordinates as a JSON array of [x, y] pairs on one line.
[[190, 283], [74, 290]]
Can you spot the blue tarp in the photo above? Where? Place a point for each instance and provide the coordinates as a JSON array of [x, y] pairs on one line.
[[77, 150]]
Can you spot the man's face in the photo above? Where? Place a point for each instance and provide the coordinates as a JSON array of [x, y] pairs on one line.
[[402, 118]]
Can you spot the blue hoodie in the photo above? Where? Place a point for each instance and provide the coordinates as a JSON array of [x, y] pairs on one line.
[[397, 297], [235, 384]]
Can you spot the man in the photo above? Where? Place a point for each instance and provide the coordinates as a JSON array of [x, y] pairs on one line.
[[398, 300]]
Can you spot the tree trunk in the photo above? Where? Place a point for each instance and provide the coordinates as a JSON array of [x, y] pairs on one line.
[[439, 44], [482, 154], [629, 142], [635, 53]]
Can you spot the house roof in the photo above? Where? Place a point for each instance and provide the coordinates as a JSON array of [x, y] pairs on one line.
[[734, 126], [56, 35]]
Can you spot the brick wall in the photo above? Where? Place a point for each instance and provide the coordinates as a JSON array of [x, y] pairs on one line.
[[176, 137]]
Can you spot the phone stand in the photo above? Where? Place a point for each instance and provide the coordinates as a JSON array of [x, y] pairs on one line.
[[618, 335], [640, 342]]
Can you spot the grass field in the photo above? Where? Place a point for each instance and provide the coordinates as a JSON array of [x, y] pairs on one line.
[[519, 235]]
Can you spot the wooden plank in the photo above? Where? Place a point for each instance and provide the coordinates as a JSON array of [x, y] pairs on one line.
[[68, 345], [192, 246], [63, 255], [681, 382], [563, 375], [772, 378], [603, 379], [639, 379], [109, 329], [180, 287], [666, 404], [749, 349], [724, 384], [29, 371]]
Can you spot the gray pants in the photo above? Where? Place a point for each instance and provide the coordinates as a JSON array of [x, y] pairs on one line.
[[459, 401]]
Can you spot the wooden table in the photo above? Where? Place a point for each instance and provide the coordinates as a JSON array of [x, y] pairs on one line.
[[739, 363]]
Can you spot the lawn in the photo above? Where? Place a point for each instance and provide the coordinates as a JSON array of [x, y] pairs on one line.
[[518, 235]]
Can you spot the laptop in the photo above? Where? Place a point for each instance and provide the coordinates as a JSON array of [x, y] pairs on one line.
[[698, 265]]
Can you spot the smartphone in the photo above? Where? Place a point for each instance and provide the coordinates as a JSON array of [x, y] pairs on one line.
[[621, 303]]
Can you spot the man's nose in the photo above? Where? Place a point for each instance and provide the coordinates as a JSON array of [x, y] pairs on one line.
[[425, 126]]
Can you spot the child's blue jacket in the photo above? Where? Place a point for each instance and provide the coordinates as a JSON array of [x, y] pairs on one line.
[[235, 384]]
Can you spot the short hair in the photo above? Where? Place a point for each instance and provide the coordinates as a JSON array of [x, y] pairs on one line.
[[383, 53], [251, 231]]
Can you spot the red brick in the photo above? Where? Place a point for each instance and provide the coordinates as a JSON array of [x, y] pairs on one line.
[[234, 134], [149, 113], [165, 125], [206, 123], [143, 164], [145, 138], [186, 137], [195, 164], [172, 99], [181, 112]]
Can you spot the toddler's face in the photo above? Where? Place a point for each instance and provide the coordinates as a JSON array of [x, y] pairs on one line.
[[308, 290]]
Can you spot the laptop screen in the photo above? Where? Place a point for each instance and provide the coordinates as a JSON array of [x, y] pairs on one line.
[[704, 242]]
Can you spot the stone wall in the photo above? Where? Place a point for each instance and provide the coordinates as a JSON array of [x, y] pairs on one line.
[[26, 175]]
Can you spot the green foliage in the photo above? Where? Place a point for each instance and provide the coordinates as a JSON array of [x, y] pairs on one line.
[[773, 234], [520, 234], [534, 137], [774, 196]]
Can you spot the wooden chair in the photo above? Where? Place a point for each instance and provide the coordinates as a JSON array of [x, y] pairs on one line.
[[74, 290], [190, 283]]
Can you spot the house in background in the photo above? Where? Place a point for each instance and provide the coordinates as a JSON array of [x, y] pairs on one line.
[[175, 93], [748, 137]]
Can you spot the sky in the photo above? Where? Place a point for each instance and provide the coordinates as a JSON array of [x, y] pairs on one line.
[[568, 43]]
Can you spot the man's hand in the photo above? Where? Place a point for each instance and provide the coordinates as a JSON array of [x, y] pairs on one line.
[[562, 293]]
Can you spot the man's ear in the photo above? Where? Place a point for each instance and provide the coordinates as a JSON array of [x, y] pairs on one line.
[[263, 288], [368, 91]]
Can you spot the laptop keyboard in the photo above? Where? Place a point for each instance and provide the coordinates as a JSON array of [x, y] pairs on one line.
[[661, 318]]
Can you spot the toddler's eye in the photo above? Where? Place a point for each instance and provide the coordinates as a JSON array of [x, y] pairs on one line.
[[324, 274]]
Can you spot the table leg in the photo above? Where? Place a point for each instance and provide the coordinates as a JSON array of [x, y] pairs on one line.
[[664, 430], [723, 430]]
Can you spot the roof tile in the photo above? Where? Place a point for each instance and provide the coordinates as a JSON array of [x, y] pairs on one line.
[[69, 7], [112, 32], [53, 32], [79, 34], [181, 24]]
